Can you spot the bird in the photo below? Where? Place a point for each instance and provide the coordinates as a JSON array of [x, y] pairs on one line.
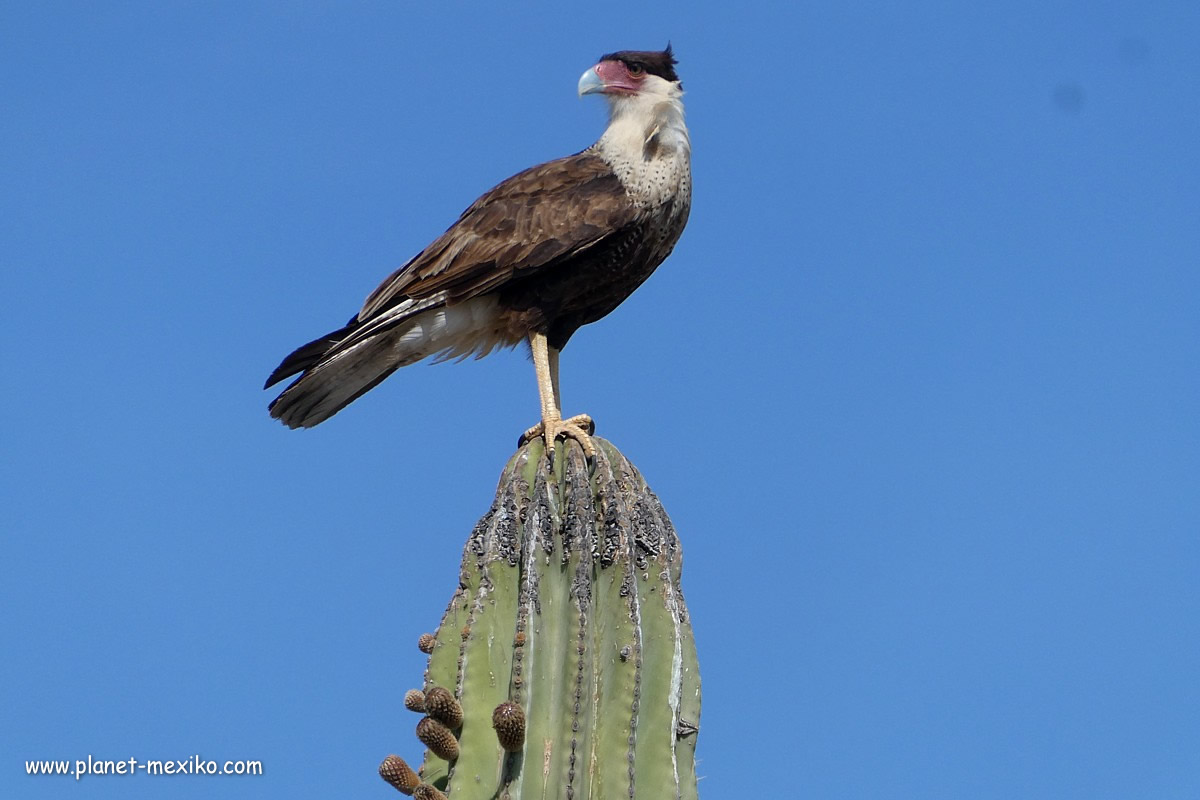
[[545, 252]]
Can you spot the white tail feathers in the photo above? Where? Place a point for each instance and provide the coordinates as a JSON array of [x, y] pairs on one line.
[[408, 333]]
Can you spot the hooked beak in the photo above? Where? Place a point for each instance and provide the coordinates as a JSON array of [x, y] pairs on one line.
[[590, 83]]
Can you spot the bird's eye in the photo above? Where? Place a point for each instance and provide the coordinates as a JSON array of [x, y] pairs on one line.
[[636, 69]]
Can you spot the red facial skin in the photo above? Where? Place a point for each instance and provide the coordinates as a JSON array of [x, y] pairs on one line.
[[618, 79]]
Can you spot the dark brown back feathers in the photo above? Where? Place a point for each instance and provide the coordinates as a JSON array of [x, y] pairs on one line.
[[528, 223]]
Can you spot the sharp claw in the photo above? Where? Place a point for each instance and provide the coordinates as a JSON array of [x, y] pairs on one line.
[[530, 434]]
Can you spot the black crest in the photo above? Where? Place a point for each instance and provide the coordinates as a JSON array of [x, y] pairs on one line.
[[660, 63]]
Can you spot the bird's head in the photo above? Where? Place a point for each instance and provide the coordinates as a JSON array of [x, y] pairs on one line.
[[632, 73]]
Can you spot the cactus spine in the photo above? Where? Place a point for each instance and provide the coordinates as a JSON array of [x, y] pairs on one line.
[[569, 627]]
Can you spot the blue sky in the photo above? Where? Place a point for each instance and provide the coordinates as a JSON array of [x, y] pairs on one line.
[[918, 386]]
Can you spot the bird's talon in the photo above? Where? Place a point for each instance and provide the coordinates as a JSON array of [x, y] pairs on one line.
[[580, 428], [581, 424]]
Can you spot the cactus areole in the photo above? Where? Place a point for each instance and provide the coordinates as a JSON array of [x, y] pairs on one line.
[[567, 644]]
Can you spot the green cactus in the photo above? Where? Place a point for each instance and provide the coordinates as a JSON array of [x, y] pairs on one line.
[[568, 613]]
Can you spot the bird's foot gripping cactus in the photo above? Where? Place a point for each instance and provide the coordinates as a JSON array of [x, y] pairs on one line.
[[565, 665]]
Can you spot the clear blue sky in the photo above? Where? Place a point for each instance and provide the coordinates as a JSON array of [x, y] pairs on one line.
[[918, 387]]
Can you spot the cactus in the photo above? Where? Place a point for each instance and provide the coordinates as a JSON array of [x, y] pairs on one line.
[[567, 645]]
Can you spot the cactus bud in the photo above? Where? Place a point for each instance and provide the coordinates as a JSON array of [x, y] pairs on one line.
[[442, 706], [426, 642], [396, 771], [509, 721], [438, 738], [427, 792], [414, 700]]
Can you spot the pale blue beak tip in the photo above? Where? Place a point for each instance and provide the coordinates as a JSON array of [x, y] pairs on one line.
[[590, 83]]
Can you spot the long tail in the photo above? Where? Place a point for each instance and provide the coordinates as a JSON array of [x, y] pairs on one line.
[[339, 367]]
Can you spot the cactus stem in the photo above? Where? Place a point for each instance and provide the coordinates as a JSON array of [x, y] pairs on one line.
[[569, 628]]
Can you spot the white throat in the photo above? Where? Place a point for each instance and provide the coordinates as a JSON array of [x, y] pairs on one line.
[[647, 144]]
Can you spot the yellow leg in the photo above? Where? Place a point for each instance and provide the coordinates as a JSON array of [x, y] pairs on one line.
[[553, 360], [553, 426]]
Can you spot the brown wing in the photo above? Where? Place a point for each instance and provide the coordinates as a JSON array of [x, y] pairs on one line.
[[535, 220]]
